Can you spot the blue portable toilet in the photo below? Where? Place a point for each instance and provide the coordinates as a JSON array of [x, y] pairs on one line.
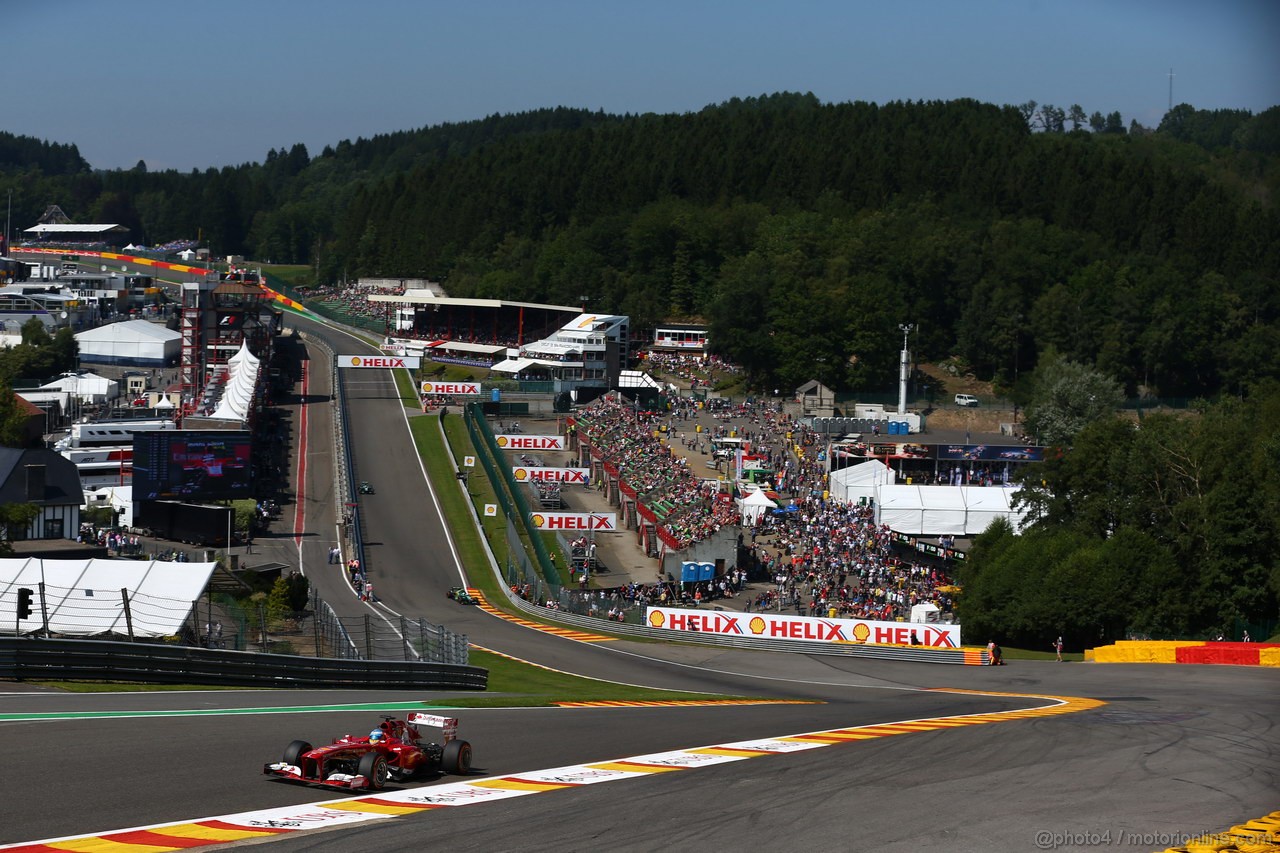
[[893, 427], [495, 395]]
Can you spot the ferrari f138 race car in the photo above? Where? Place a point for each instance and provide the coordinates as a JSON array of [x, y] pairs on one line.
[[393, 751]]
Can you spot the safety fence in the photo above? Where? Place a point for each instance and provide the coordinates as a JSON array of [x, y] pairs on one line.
[[510, 496], [41, 659], [220, 621]]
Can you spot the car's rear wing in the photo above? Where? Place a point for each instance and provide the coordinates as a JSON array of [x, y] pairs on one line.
[[448, 724]]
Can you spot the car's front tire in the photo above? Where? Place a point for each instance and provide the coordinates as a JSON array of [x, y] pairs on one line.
[[293, 752], [373, 767]]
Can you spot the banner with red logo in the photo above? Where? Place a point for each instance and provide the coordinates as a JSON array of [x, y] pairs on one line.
[[524, 474], [409, 361], [530, 442], [599, 522], [778, 626], [457, 389]]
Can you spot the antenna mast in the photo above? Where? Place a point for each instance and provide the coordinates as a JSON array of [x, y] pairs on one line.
[[1170, 89]]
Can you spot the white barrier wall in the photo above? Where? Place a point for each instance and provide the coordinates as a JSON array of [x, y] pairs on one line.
[[780, 626]]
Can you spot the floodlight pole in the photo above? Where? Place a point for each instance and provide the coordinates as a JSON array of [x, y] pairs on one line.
[[904, 361]]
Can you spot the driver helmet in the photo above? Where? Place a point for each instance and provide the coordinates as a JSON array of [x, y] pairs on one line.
[[377, 736]]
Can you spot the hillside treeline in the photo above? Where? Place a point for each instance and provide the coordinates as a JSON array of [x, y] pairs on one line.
[[803, 232], [1171, 530]]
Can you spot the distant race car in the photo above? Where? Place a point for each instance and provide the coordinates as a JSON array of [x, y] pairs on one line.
[[393, 751], [460, 595]]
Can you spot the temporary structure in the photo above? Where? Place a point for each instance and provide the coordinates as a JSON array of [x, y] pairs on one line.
[[753, 506], [242, 380], [83, 597], [132, 342], [860, 481], [946, 510]]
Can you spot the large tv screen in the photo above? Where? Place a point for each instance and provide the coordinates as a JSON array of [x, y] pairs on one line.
[[187, 464]]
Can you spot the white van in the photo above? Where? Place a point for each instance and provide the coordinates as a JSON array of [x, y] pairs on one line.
[[966, 400]]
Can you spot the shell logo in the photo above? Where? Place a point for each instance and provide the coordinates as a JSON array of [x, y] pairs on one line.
[[502, 441], [756, 625], [657, 619], [538, 520], [355, 361], [861, 632], [521, 474]]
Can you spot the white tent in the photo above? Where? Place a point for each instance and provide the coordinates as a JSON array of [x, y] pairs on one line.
[[118, 498], [925, 613], [753, 506], [946, 510], [241, 381], [132, 342], [943, 509], [83, 599], [986, 505], [86, 387], [860, 481], [900, 507]]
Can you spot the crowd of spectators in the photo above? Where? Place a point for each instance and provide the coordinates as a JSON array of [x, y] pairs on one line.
[[821, 556], [353, 300], [833, 560], [686, 507], [697, 370]]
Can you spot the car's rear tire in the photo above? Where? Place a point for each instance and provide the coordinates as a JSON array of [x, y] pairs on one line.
[[456, 758], [373, 767], [293, 752]]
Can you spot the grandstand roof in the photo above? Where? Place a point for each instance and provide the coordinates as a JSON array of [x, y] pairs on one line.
[[417, 299], [464, 346], [72, 228]]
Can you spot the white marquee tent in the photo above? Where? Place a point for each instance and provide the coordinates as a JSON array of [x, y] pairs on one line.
[[82, 597], [242, 380], [753, 506], [945, 510], [132, 342], [85, 387], [860, 481]]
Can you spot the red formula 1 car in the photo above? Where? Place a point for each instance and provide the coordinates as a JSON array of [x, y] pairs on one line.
[[393, 751]]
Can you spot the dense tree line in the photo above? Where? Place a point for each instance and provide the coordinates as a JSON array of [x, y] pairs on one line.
[[802, 232], [1167, 528]]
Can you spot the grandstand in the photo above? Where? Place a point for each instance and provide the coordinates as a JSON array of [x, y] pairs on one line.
[[436, 317]]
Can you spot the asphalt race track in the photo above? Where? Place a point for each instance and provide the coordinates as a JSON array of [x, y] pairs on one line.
[[1174, 751]]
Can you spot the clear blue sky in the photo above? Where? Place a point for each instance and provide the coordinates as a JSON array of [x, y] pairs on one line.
[[195, 83]]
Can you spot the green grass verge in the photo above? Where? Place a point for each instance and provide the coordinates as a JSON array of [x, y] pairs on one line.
[[407, 389], [1029, 654], [532, 686], [294, 275]]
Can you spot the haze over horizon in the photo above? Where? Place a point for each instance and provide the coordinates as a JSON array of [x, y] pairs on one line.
[[203, 84]]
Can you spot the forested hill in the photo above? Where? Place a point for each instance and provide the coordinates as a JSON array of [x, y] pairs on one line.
[[803, 232]]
